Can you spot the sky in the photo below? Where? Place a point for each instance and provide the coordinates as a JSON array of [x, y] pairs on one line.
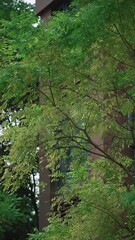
[[30, 1]]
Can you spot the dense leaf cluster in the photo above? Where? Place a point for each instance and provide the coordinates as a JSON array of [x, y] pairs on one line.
[[18, 206], [73, 81]]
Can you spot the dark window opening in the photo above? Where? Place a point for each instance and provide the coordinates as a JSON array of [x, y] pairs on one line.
[[61, 6]]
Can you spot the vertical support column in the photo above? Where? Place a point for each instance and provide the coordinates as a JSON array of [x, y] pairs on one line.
[[44, 9], [44, 194], [44, 178], [44, 173], [47, 190]]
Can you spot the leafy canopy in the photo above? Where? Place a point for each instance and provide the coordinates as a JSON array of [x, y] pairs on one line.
[[81, 66]]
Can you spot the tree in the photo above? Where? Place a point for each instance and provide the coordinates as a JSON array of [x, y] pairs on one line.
[[14, 220], [20, 215], [88, 87], [9, 6]]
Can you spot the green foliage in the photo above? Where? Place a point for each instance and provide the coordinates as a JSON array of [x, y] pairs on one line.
[[16, 220], [9, 6], [104, 210], [18, 206], [10, 214], [81, 67]]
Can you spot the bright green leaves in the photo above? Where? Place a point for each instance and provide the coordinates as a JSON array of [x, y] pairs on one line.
[[17, 71], [81, 68], [25, 126], [101, 207], [127, 108]]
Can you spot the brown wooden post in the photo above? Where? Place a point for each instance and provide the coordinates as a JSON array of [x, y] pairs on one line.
[[43, 9], [46, 188]]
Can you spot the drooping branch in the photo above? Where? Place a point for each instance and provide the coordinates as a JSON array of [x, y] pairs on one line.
[[102, 152]]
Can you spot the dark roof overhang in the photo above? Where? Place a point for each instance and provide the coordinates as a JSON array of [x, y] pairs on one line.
[[42, 5]]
